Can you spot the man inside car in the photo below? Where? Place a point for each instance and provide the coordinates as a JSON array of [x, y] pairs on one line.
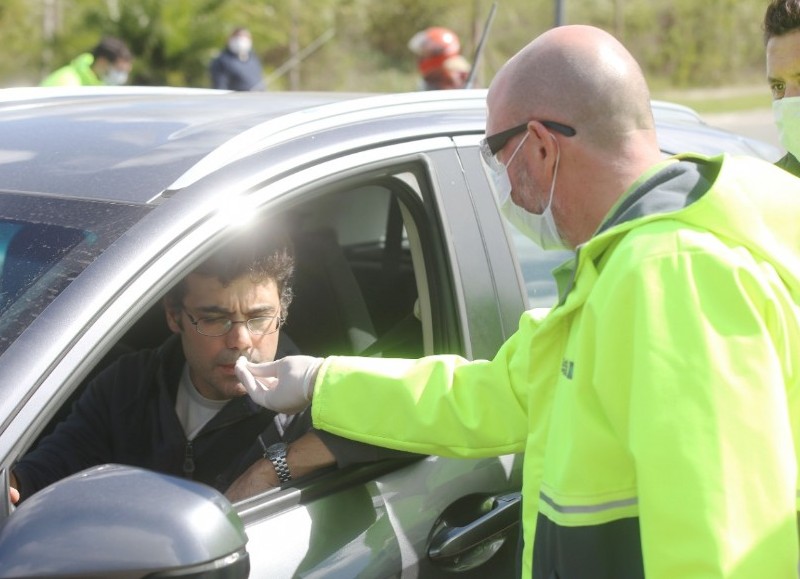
[[180, 409]]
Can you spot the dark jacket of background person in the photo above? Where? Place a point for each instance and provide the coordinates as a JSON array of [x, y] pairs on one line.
[[230, 72]]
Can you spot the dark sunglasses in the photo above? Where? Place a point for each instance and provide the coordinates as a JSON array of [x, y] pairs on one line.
[[499, 140]]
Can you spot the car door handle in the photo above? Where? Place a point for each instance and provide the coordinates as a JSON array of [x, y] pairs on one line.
[[451, 540]]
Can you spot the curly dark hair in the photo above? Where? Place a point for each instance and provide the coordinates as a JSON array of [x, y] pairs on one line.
[[264, 255], [782, 16]]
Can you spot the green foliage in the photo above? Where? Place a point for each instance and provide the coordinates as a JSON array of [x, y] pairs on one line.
[[362, 44], [18, 28]]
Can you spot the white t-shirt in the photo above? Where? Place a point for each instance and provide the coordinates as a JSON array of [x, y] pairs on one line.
[[194, 410]]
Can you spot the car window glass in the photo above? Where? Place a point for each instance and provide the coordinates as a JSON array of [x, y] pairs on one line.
[[537, 266], [354, 278]]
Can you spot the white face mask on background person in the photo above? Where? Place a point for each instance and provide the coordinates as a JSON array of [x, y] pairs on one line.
[[115, 77], [787, 117], [240, 45]]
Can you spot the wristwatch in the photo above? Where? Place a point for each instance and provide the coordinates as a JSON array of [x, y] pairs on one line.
[[276, 454]]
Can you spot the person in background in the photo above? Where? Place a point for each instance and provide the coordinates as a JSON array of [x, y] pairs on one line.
[[782, 40], [439, 59], [109, 63], [658, 404], [453, 74], [237, 67]]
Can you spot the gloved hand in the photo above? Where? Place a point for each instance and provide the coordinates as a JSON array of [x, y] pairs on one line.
[[285, 385]]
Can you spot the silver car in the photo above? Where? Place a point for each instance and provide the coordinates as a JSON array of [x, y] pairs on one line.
[[110, 196]]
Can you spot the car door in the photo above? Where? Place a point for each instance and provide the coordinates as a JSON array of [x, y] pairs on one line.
[[413, 235], [443, 266]]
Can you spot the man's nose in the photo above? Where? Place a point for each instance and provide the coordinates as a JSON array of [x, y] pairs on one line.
[[238, 336]]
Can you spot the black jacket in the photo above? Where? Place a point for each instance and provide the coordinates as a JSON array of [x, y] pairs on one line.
[[127, 415], [229, 72]]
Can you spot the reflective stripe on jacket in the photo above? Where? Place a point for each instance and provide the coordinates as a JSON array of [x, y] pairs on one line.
[[657, 404]]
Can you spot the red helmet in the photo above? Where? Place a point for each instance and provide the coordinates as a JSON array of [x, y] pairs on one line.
[[432, 47]]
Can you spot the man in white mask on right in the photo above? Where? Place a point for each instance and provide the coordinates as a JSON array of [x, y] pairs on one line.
[[782, 38]]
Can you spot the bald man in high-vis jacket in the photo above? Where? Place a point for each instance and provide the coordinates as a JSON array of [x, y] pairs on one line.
[[658, 403]]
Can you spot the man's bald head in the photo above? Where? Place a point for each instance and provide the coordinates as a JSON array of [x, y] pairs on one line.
[[579, 75], [584, 78]]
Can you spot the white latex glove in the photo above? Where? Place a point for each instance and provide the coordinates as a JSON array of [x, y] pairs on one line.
[[285, 385]]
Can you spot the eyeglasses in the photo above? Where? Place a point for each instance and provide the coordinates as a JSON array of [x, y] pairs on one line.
[[493, 144], [215, 327], [497, 141]]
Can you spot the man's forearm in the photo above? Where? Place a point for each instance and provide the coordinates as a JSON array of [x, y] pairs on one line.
[[305, 455]]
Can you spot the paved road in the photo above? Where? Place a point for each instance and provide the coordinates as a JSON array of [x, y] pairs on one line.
[[758, 124]]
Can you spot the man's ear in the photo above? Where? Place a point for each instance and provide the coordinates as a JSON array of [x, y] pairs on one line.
[[173, 318], [543, 140], [545, 147]]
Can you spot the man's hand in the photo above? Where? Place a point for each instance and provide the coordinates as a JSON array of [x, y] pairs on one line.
[[258, 478], [13, 493], [285, 385]]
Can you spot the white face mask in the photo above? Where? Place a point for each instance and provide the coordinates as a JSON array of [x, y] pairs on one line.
[[240, 45], [787, 117], [541, 228], [498, 175], [115, 77]]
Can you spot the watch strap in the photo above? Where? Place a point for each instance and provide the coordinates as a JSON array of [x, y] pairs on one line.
[[276, 454]]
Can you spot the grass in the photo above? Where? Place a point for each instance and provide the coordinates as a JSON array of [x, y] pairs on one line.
[[719, 100], [727, 104]]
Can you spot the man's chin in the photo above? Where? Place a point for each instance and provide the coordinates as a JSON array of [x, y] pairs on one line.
[[238, 390], [231, 388]]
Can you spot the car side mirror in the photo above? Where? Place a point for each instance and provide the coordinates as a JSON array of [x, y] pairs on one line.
[[119, 521]]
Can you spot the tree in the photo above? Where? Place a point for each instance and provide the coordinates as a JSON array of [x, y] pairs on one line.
[[364, 48]]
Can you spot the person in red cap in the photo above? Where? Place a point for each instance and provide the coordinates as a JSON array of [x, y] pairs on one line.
[[439, 59]]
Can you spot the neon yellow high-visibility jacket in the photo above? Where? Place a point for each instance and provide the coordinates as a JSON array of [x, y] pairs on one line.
[[77, 73], [657, 404]]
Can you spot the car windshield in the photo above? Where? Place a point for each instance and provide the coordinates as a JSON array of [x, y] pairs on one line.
[[44, 244]]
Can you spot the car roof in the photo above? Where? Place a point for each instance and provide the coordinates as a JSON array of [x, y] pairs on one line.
[[129, 144], [133, 144]]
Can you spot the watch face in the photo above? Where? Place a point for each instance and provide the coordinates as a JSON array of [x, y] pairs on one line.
[[277, 449]]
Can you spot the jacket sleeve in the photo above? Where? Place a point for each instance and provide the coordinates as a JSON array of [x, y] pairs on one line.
[[442, 405], [349, 452], [82, 440], [219, 78], [692, 348]]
